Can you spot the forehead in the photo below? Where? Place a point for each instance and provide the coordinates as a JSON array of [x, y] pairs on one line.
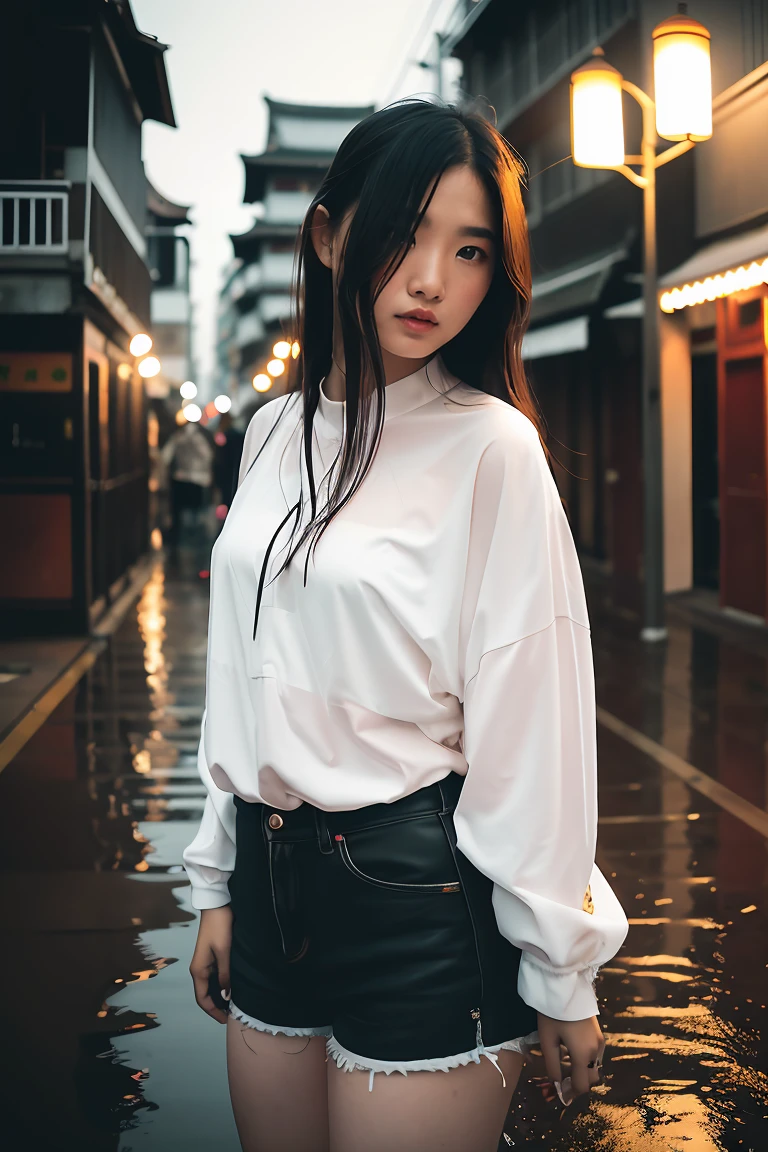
[[460, 199]]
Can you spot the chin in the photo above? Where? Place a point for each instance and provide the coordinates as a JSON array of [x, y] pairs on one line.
[[413, 347]]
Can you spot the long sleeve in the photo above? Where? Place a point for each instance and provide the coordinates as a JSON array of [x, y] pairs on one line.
[[210, 859], [527, 816]]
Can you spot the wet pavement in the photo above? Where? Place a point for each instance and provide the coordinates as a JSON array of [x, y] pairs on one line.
[[105, 1047]]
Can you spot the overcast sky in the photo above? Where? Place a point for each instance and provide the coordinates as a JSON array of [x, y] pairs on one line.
[[223, 58]]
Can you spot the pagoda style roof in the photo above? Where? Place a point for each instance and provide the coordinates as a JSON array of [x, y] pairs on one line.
[[300, 137], [164, 210], [142, 56], [319, 111], [246, 245]]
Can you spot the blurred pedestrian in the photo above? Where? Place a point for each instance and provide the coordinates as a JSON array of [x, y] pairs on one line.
[[188, 455], [395, 866], [229, 449]]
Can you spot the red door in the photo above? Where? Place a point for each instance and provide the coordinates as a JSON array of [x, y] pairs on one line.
[[743, 486]]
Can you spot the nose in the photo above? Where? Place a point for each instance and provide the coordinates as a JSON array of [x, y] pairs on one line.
[[426, 279]]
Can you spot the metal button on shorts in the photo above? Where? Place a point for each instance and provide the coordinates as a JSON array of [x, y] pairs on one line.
[[275, 821]]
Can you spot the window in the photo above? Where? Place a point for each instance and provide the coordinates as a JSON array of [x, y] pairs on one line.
[[754, 32]]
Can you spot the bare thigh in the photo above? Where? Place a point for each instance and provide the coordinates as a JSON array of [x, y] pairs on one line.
[[462, 1110], [278, 1087]]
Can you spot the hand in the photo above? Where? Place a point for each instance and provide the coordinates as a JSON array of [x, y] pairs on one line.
[[211, 959], [585, 1043]]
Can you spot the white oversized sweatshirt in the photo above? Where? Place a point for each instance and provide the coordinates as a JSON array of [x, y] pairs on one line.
[[443, 627]]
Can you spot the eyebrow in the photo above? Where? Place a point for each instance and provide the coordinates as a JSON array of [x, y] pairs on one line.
[[482, 233]]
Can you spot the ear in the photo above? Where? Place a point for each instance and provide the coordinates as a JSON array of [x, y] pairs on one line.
[[322, 235]]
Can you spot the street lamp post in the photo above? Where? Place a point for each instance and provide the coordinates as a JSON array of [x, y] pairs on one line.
[[681, 112]]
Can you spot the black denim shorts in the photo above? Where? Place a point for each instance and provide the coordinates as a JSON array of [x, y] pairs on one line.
[[371, 928]]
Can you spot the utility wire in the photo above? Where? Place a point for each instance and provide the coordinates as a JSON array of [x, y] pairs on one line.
[[415, 42]]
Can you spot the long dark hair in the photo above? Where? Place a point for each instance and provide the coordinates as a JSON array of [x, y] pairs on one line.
[[385, 168]]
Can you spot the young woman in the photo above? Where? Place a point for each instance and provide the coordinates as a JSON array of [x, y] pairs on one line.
[[395, 866]]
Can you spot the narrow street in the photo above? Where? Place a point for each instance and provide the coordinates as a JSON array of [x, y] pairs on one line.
[[108, 1049]]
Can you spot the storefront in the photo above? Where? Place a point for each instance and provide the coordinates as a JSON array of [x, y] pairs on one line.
[[719, 301]]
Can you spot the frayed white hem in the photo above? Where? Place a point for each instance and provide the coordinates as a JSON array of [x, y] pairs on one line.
[[275, 1029], [350, 1061]]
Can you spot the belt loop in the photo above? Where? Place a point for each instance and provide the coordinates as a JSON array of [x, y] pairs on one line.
[[323, 835]]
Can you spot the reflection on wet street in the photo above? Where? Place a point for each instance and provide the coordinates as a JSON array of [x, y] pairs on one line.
[[105, 1046]]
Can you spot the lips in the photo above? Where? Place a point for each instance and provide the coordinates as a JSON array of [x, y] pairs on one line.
[[419, 314]]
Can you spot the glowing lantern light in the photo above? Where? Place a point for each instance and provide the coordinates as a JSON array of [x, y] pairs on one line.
[[149, 367], [682, 74], [597, 121], [282, 350], [276, 367], [262, 382], [295, 349], [140, 344], [188, 390], [193, 413], [222, 403]]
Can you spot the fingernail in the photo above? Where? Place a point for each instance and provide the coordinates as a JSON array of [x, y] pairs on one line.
[[560, 1094], [225, 995]]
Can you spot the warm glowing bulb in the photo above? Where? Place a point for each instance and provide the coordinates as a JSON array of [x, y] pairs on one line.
[[192, 413], [188, 390], [295, 349], [222, 403], [140, 344], [276, 367], [282, 350], [149, 367], [682, 75], [262, 382], [597, 122]]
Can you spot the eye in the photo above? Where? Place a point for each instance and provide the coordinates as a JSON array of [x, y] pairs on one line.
[[476, 254]]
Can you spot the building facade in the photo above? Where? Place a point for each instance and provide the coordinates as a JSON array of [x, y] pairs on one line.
[[75, 287], [170, 304], [584, 349], [255, 303]]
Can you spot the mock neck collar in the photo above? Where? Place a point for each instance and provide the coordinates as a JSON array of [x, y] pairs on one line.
[[401, 396]]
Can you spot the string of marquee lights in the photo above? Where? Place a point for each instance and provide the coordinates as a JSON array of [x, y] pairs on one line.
[[715, 287]]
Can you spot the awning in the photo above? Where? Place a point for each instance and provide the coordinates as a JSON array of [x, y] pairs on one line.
[[725, 255], [555, 339], [574, 288], [629, 310]]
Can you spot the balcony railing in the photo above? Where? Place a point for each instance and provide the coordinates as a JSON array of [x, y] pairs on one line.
[[34, 217]]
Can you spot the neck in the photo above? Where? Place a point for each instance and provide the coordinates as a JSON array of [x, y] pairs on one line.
[[395, 368]]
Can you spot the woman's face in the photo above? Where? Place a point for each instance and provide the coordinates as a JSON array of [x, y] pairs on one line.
[[446, 272]]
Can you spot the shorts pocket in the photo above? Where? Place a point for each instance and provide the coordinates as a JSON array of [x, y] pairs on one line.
[[407, 856]]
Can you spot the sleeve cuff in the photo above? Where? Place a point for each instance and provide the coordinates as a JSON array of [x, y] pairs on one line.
[[561, 996], [213, 897]]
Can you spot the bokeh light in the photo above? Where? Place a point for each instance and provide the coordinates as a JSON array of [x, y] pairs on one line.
[[188, 390], [193, 413], [140, 344], [282, 350], [276, 367], [149, 367], [262, 382], [222, 403]]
